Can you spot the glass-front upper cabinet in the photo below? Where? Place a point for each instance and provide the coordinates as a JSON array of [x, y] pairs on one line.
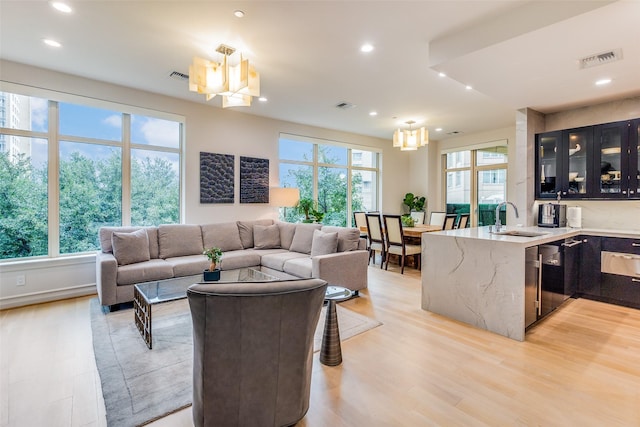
[[576, 152], [611, 144], [548, 148]]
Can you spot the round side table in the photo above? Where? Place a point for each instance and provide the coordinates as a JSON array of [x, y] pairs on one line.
[[331, 351]]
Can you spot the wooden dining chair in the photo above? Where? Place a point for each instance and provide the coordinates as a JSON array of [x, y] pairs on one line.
[[360, 220], [376, 237], [437, 218], [450, 222], [463, 221], [396, 244], [418, 217]]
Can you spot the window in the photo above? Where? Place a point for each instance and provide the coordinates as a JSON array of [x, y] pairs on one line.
[[114, 168], [338, 178], [476, 182]]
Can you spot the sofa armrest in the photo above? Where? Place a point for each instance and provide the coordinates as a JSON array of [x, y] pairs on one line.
[[347, 269], [106, 275]]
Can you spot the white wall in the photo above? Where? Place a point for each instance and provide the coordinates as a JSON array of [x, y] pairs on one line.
[[208, 129]]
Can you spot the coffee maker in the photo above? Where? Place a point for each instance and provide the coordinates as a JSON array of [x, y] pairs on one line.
[[552, 215]]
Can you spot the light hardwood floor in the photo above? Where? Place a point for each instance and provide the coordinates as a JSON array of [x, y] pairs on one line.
[[578, 367]]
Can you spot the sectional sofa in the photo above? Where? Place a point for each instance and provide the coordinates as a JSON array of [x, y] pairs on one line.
[[130, 255]]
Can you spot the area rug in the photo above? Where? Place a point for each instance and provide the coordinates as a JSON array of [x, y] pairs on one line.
[[141, 385]]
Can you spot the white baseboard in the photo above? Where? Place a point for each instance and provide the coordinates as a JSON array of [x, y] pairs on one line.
[[47, 296]]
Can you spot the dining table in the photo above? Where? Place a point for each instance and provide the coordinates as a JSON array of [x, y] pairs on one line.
[[415, 231]]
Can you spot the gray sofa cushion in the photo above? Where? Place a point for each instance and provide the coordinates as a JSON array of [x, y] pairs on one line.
[[240, 259], [179, 240], [188, 265], [266, 236], [287, 231], [224, 236], [323, 243], [348, 238], [303, 238], [301, 267], [276, 261], [246, 230], [129, 248], [155, 269]]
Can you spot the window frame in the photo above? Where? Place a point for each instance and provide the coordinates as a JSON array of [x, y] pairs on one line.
[[53, 138], [315, 164]]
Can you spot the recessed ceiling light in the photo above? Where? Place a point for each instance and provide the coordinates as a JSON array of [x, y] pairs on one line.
[[262, 99], [442, 74], [51, 43], [373, 113], [438, 129], [468, 87], [602, 82], [62, 7], [238, 13], [366, 48]]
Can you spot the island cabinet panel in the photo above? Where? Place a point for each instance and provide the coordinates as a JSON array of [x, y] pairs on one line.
[[622, 245], [590, 280], [591, 162], [622, 290]]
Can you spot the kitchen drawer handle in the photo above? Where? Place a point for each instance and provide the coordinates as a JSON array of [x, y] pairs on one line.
[[636, 245], [572, 244], [635, 280]]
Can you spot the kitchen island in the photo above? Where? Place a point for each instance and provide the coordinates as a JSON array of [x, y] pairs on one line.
[[478, 277]]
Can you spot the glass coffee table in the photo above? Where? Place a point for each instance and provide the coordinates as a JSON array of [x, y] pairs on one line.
[[146, 295]]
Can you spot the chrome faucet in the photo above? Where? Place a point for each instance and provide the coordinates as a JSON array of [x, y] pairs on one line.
[[498, 223]]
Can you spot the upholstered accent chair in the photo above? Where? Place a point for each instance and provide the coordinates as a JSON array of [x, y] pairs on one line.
[[253, 351], [376, 237], [396, 244]]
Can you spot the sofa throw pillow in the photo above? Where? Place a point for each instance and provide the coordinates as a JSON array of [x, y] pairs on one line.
[[303, 237], [179, 240], [324, 243], [246, 230], [348, 238], [129, 248], [266, 236]]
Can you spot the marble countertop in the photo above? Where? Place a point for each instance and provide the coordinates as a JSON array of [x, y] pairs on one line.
[[548, 234]]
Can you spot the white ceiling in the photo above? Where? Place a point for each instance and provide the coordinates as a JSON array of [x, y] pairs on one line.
[[515, 54]]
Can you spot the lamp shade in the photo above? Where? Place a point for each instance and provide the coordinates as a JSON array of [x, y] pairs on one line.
[[284, 197]]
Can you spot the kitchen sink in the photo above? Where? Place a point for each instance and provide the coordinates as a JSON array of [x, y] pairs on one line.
[[519, 233]]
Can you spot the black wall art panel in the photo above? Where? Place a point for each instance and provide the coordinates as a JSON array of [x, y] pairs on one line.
[[216, 178], [254, 180]]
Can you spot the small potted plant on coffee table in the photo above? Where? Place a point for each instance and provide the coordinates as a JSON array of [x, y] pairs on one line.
[[215, 255]]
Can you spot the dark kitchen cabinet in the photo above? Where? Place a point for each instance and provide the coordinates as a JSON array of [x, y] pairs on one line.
[[590, 280], [564, 163], [592, 162], [620, 277], [616, 159]]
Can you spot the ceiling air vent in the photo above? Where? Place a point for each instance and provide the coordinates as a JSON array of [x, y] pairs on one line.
[[345, 105], [455, 132], [601, 58], [179, 76]]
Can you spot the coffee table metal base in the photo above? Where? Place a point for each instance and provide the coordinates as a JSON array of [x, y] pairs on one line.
[[142, 313]]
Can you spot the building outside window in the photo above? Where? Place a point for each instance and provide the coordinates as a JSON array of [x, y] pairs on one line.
[[113, 168], [340, 179], [476, 181]]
